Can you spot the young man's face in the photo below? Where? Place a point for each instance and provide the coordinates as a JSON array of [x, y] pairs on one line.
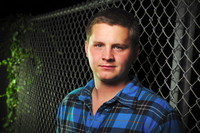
[[110, 52]]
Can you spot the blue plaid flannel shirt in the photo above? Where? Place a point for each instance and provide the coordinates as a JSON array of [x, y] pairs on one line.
[[134, 109]]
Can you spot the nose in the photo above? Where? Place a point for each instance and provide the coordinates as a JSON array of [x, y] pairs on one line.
[[108, 55]]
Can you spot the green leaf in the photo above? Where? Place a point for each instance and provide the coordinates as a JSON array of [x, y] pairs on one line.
[[3, 95], [4, 62]]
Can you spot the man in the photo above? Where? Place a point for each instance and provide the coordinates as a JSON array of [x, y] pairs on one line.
[[114, 101]]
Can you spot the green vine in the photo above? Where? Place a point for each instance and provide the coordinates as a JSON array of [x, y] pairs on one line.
[[17, 57]]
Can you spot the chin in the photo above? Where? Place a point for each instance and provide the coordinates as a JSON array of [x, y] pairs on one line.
[[113, 80]]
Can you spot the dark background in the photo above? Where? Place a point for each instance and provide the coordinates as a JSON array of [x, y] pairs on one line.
[[9, 10], [29, 7]]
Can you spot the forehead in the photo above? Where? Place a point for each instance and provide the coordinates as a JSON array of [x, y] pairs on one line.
[[107, 25], [105, 31]]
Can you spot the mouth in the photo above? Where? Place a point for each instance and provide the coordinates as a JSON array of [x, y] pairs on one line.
[[107, 67]]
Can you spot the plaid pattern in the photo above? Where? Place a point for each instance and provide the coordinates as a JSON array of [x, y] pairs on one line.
[[134, 109]]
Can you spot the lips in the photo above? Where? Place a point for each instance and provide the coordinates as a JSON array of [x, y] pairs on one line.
[[107, 67]]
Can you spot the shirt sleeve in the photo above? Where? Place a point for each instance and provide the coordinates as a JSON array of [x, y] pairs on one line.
[[59, 118], [170, 124]]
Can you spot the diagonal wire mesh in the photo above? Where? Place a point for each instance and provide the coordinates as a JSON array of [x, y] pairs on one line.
[[168, 63]]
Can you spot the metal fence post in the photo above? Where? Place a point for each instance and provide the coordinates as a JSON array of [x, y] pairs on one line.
[[177, 50], [183, 57]]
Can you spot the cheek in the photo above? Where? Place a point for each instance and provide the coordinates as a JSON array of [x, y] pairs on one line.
[[125, 59], [94, 54], [93, 57]]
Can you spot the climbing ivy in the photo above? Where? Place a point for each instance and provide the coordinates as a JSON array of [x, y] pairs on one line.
[[18, 30]]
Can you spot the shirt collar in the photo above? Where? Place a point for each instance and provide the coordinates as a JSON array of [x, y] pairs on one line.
[[86, 94], [128, 96]]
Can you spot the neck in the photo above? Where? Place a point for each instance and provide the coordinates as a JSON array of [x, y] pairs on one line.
[[107, 90], [104, 92]]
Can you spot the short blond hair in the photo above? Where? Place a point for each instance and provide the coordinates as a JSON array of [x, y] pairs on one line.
[[116, 16]]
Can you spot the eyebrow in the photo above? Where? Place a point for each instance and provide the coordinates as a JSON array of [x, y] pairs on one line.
[[121, 44], [97, 42]]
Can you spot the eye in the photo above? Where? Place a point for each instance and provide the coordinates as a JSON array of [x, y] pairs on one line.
[[119, 47], [98, 45]]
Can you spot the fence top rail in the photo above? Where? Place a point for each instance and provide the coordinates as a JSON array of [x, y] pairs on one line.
[[75, 8]]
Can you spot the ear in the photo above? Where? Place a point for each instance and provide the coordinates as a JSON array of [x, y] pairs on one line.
[[86, 48], [136, 52]]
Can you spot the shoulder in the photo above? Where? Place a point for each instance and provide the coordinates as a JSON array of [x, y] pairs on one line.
[[158, 111], [151, 100], [148, 97], [73, 94]]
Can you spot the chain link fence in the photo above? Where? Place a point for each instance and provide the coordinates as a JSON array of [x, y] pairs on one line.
[[168, 62]]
